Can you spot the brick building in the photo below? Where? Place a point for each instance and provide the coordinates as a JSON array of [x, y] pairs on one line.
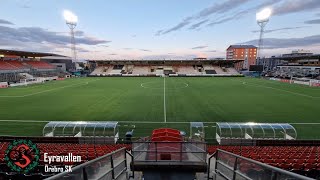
[[248, 53]]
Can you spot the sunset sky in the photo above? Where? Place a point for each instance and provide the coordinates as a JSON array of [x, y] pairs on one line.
[[170, 29]]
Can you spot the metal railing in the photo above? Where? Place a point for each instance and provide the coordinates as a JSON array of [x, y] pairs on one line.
[[109, 166], [169, 151], [230, 166]]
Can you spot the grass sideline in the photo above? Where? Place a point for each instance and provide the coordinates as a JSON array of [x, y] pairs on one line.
[[130, 100]]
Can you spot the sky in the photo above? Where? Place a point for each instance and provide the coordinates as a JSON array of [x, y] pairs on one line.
[[166, 29]]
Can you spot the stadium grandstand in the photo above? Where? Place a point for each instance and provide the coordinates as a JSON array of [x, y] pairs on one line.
[[195, 67], [18, 67], [299, 63]]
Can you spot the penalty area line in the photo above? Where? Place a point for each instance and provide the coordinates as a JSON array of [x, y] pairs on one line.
[[82, 83], [268, 87]]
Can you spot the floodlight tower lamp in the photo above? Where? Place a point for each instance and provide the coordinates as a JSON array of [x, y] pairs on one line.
[[71, 21], [262, 18]]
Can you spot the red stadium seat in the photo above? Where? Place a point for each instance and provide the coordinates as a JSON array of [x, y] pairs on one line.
[[40, 65], [309, 166], [300, 159]]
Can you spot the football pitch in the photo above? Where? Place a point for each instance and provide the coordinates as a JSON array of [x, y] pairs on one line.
[[146, 103]]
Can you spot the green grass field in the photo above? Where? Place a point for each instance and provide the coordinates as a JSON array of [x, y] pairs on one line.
[[139, 101]]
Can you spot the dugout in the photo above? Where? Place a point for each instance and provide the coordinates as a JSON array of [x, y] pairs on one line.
[[250, 130], [197, 130], [81, 129]]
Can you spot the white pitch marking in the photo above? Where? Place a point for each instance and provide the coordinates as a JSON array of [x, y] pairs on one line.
[[268, 87], [164, 99], [46, 90]]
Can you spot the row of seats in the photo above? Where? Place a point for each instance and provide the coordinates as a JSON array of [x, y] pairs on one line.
[[174, 69], [40, 65], [304, 160], [294, 71], [21, 65], [6, 66]]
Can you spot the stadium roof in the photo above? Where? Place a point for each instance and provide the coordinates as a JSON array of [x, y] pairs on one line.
[[27, 53], [86, 128], [300, 57], [241, 46], [256, 130], [168, 60], [296, 57], [56, 58]]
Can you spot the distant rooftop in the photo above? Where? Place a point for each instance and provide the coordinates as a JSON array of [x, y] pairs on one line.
[[242, 46]]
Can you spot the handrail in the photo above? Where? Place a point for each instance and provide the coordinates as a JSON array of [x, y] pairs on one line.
[[82, 166], [267, 166], [209, 164], [132, 161]]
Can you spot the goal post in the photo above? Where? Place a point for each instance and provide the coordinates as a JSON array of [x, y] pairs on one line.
[[302, 81]]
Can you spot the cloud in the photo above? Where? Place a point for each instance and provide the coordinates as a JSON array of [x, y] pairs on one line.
[[102, 45], [273, 43], [26, 35], [213, 9], [79, 33], [127, 48], [294, 6], [182, 24], [112, 54], [199, 47], [229, 18], [146, 50], [194, 26], [210, 51], [82, 50], [2, 21], [281, 7], [158, 33], [220, 8], [280, 29], [242, 13], [314, 21]]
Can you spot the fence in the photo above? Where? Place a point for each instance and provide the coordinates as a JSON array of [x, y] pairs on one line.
[[169, 151], [109, 166], [229, 166]]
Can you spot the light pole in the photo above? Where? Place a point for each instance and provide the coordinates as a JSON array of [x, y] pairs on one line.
[[262, 18], [71, 21]]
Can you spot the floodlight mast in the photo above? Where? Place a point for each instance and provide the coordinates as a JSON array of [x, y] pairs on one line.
[[72, 26], [262, 20], [262, 25], [71, 21]]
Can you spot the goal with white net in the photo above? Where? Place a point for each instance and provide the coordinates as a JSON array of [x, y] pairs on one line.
[[305, 81]]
